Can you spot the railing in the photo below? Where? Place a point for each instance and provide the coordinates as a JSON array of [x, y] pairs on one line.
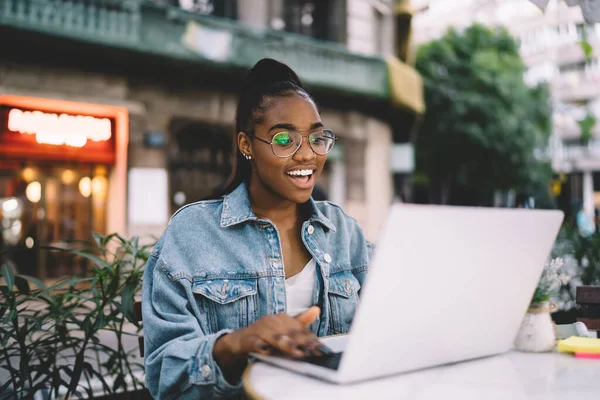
[[113, 21], [561, 152], [577, 85]]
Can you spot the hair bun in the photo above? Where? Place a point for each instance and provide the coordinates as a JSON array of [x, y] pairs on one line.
[[268, 71]]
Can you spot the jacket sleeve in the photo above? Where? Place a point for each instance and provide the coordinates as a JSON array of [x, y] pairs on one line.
[[179, 355]]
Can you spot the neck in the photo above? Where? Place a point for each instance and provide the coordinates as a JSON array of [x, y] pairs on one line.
[[271, 206]]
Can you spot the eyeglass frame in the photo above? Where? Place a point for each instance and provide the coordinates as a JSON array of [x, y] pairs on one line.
[[335, 138]]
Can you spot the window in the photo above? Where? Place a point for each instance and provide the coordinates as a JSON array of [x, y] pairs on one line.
[[581, 31], [573, 67], [200, 160], [325, 20], [379, 30]]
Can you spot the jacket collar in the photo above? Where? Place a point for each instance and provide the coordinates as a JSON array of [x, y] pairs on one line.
[[237, 209]]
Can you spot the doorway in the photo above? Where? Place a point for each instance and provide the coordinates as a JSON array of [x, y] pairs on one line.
[[45, 205], [200, 160]]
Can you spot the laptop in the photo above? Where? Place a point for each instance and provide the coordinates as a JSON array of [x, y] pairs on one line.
[[446, 284]]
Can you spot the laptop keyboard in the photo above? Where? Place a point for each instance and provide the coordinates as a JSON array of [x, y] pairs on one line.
[[331, 361]]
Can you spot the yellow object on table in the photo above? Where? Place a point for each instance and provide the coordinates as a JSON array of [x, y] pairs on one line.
[[576, 344]]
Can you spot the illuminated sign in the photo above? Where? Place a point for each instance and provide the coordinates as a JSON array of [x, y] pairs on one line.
[[52, 130], [63, 129]]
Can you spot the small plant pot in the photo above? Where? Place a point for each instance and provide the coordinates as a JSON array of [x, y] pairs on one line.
[[536, 333]]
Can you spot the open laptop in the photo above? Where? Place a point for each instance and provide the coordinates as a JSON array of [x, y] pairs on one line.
[[446, 284]]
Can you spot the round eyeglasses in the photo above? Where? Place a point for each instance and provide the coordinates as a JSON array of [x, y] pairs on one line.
[[286, 143]]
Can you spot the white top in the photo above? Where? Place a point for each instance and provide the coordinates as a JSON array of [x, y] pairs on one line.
[[514, 376], [299, 289]]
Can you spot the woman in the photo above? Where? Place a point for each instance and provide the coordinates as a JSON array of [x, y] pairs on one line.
[[238, 274]]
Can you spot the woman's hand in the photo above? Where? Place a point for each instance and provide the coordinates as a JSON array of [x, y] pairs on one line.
[[280, 333]]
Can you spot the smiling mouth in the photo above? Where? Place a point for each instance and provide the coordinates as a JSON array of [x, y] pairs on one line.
[[301, 176]]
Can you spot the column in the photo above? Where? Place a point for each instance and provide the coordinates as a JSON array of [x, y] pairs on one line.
[[588, 194]]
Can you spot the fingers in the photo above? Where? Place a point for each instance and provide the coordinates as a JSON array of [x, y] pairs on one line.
[[261, 347], [281, 333], [309, 316], [287, 335]]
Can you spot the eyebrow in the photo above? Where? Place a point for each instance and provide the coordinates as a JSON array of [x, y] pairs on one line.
[[292, 127]]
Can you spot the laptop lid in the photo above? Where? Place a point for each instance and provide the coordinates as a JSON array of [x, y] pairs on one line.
[[446, 284]]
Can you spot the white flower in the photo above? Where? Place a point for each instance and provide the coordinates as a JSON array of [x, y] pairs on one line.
[[552, 276]]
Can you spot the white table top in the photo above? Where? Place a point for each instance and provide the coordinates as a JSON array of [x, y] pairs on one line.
[[512, 376]]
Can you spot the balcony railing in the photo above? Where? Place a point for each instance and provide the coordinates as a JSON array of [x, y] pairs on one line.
[[576, 85], [164, 31], [560, 153], [108, 21]]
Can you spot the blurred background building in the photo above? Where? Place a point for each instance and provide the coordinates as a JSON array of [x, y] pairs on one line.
[[115, 113], [551, 47]]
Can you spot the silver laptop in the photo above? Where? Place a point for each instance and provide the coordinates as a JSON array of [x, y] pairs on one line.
[[446, 284]]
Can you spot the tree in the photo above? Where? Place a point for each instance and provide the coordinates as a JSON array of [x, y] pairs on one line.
[[482, 122]]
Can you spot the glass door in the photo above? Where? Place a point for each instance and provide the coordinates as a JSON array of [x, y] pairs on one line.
[[45, 205]]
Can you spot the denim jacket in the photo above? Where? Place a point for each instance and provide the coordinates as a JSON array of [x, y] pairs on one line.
[[218, 268]]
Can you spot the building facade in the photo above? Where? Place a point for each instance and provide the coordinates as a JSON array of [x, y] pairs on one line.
[[113, 114], [551, 46]]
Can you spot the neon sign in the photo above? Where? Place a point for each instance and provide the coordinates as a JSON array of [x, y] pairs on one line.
[[63, 129]]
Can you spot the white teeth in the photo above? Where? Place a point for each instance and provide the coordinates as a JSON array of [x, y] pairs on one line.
[[301, 172]]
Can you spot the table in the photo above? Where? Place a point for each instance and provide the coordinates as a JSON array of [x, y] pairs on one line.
[[511, 376]]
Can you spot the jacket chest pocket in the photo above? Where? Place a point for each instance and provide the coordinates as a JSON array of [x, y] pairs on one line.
[[343, 300], [227, 303]]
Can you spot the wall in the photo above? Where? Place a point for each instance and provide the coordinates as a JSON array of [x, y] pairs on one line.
[[369, 32], [256, 12], [366, 142]]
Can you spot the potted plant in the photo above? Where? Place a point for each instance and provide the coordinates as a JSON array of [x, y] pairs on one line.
[[536, 333], [69, 340]]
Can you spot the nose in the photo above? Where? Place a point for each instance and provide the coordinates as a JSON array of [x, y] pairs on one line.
[[305, 152]]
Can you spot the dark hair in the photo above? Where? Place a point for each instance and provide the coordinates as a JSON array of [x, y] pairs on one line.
[[268, 79]]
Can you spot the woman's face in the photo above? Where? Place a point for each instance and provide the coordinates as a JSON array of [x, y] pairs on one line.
[[280, 176]]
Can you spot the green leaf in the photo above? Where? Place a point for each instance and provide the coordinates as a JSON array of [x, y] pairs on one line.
[[68, 282], [127, 295], [35, 281], [5, 386], [587, 48], [22, 285], [9, 276], [95, 259], [100, 321], [586, 125], [12, 314]]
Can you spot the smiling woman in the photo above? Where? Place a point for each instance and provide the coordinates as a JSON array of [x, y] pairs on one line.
[[257, 267]]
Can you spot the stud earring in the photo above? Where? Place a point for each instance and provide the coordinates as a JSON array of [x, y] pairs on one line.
[[247, 157]]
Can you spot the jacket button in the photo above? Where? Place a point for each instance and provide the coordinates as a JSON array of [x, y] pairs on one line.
[[205, 371], [311, 229], [327, 258]]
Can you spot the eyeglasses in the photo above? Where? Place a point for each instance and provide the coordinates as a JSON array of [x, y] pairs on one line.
[[286, 143]]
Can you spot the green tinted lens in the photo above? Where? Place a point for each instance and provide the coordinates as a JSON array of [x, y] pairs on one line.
[[282, 139], [285, 144]]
